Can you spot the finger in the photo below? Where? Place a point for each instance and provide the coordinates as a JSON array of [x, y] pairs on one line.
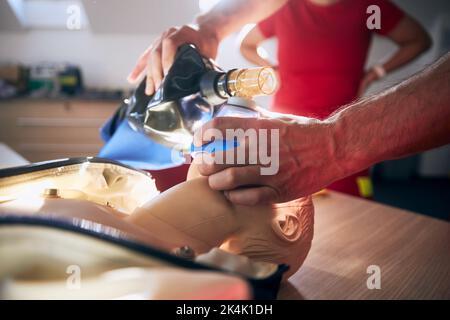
[[171, 43], [139, 67], [156, 59], [252, 196], [150, 83], [156, 67], [234, 177], [149, 86], [208, 164], [207, 132], [169, 49]]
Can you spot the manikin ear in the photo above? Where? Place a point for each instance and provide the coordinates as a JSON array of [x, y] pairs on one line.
[[286, 225]]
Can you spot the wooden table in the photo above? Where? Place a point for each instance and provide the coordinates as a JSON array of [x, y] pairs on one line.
[[412, 251]]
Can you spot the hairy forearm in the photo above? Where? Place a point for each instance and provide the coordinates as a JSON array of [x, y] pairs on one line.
[[411, 117], [230, 15], [311, 153]]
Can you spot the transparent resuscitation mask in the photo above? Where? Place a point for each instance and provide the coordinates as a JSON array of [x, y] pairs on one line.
[[194, 91], [221, 94]]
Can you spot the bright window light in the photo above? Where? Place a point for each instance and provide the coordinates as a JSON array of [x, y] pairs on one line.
[[206, 5], [50, 14]]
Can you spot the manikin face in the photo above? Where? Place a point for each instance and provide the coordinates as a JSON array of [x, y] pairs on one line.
[[203, 219]]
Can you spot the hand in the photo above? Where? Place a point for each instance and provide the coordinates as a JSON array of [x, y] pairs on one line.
[[366, 81], [307, 160], [158, 58]]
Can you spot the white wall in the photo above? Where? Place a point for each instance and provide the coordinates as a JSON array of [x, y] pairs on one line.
[[117, 32], [105, 59]]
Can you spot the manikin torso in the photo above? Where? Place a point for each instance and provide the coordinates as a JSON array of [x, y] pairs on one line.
[[191, 214]]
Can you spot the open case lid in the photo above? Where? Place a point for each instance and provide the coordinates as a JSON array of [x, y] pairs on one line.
[[35, 245]]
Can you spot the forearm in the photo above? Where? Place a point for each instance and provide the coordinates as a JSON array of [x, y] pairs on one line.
[[405, 54], [412, 40], [229, 16], [412, 117], [251, 54]]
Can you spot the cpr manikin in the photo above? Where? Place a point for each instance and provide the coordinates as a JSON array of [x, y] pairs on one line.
[[189, 214], [197, 216]]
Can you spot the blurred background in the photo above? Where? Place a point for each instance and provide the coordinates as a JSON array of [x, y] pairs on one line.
[[61, 79]]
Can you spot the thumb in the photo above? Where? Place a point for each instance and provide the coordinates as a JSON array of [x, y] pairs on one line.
[[252, 196]]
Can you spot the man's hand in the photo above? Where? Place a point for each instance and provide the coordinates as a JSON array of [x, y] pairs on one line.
[[307, 160], [408, 118], [158, 58]]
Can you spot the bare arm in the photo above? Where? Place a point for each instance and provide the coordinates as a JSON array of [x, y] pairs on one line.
[[249, 47], [230, 15], [412, 40], [224, 18], [408, 118]]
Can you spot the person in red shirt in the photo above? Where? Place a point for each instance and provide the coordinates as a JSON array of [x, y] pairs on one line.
[[322, 50]]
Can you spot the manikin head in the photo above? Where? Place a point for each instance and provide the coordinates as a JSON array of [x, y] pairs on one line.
[[196, 216]]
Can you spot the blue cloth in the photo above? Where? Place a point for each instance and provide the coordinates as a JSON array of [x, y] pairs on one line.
[[215, 146], [135, 149]]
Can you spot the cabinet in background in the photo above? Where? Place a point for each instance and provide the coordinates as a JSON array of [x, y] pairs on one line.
[[52, 129]]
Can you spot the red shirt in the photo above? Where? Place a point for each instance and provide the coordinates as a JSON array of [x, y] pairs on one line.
[[322, 51]]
